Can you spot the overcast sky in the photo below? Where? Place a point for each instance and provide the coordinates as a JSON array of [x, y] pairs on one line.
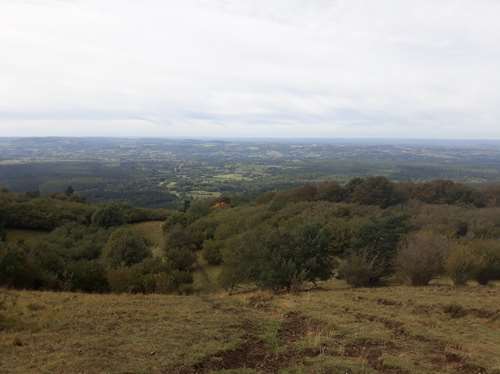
[[270, 68]]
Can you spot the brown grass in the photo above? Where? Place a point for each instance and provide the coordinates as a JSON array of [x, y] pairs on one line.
[[333, 330]]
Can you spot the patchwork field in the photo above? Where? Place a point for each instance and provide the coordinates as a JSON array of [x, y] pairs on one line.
[[335, 329]]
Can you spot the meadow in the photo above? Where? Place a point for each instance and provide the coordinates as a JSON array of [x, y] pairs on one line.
[[331, 329]]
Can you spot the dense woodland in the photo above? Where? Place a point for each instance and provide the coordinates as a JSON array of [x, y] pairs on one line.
[[369, 231]]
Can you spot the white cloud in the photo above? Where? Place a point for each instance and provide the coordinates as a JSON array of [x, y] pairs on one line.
[[388, 68]]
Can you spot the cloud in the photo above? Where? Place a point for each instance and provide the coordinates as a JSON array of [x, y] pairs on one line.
[[388, 68]]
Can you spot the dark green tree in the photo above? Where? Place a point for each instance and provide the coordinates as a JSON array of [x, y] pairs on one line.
[[125, 247], [108, 216], [279, 258], [380, 239], [69, 191]]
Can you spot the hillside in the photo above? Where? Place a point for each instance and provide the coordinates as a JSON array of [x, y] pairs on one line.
[[367, 277], [335, 329]]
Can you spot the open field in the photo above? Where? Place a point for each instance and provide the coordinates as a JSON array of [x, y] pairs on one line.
[[335, 329]]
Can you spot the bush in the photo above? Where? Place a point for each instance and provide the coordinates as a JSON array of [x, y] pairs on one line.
[[375, 191], [16, 268], [45, 213], [455, 310], [7, 301], [87, 276], [278, 258], [362, 270], [150, 276], [125, 280], [487, 266], [108, 216], [77, 242], [461, 264], [420, 259], [3, 232], [125, 247], [330, 191], [381, 237], [133, 215], [212, 252]]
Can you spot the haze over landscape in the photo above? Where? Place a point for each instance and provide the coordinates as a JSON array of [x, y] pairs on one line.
[[257, 68]]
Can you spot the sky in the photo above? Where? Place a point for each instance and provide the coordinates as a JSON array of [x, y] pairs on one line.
[[250, 68]]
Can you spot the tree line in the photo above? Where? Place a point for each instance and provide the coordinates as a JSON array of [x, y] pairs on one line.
[[368, 232]]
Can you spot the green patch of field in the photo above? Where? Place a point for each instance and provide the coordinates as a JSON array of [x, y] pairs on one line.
[[333, 329], [199, 194], [231, 177]]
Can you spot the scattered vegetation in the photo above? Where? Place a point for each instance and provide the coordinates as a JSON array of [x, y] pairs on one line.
[[369, 231]]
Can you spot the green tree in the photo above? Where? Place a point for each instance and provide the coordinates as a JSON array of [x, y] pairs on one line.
[[125, 247], [108, 216], [16, 268], [380, 238], [279, 258], [69, 191], [87, 276], [375, 191], [212, 252]]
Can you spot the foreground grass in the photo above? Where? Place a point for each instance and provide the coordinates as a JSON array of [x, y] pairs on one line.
[[335, 329]]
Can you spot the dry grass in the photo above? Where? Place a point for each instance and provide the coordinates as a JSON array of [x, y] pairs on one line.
[[331, 330]]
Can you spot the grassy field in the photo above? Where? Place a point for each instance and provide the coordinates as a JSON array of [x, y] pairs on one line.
[[335, 329]]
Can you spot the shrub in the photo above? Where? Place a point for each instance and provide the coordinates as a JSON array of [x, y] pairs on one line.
[[125, 247], [487, 267], [362, 270], [77, 242], [381, 237], [3, 233], [212, 252], [330, 191], [375, 191], [87, 276], [133, 215], [180, 281], [420, 259], [16, 268], [278, 257], [149, 276], [447, 192], [461, 264], [45, 213], [7, 301], [125, 280], [108, 216], [182, 259], [455, 310]]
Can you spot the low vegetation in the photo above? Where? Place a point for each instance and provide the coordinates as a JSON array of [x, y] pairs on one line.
[[335, 329], [369, 232]]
